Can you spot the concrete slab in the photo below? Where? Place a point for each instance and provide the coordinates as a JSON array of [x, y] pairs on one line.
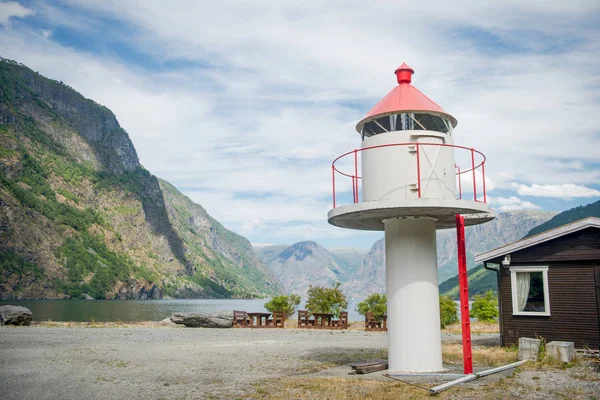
[[370, 215]]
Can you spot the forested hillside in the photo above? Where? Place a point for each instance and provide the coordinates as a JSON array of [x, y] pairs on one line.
[[589, 210], [80, 215]]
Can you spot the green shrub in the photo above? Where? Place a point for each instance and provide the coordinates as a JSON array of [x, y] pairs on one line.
[[326, 300], [375, 303], [13, 265], [448, 312], [287, 304], [485, 307]]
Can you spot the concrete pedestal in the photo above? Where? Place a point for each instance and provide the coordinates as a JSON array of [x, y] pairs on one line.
[[414, 335]]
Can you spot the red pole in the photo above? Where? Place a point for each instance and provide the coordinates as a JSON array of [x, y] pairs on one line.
[[464, 295], [473, 169], [418, 171], [483, 175], [353, 190], [333, 183], [356, 175]]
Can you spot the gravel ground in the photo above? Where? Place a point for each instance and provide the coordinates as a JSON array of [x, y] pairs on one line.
[[164, 363], [40, 362]]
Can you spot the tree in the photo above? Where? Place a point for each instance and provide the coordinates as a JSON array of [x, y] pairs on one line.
[[287, 304], [448, 312], [485, 307], [375, 303], [326, 300]]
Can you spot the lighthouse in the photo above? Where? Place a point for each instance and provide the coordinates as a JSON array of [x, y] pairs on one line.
[[405, 180]]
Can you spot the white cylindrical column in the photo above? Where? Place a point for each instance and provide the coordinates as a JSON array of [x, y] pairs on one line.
[[414, 335]]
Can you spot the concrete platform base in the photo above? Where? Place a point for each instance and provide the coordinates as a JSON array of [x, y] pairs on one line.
[[369, 215]]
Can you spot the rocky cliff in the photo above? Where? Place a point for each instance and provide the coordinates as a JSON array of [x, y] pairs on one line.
[[80, 215]]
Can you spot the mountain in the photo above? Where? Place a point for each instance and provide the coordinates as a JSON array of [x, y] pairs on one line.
[[303, 264], [267, 253], [481, 280], [370, 275], [505, 228], [574, 214], [348, 259], [79, 214]]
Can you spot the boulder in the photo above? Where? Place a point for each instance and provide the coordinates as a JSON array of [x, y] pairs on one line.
[[15, 315], [219, 319], [86, 296]]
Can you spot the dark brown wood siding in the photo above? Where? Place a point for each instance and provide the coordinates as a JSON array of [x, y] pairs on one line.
[[575, 316], [579, 246]]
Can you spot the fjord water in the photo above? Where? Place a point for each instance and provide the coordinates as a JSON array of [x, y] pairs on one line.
[[127, 310], [136, 310]]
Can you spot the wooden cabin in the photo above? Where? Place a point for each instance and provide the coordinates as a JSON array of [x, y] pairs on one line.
[[549, 285]]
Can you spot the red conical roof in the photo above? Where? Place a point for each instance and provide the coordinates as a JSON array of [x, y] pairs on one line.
[[404, 98]]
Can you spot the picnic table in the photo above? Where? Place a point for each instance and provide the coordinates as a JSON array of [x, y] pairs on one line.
[[375, 324], [322, 320], [258, 319]]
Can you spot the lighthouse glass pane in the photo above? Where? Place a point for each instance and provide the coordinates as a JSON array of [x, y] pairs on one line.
[[380, 125], [430, 123], [404, 122]]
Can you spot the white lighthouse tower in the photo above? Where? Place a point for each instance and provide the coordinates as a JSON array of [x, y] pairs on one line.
[[404, 180]]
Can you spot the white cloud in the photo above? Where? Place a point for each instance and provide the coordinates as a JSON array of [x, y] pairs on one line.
[[269, 93], [46, 33], [511, 203], [565, 191], [12, 9]]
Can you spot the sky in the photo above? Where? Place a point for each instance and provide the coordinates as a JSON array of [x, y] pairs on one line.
[[243, 105]]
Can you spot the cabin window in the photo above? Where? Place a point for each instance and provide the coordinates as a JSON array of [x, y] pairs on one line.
[[529, 286]]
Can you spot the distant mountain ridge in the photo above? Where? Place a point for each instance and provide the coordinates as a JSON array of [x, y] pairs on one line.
[[482, 280], [505, 228], [305, 263], [79, 214], [574, 214]]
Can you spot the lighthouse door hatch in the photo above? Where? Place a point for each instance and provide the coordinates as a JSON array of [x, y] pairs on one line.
[[437, 178]]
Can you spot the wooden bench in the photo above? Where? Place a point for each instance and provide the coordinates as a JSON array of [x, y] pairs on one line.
[[241, 319], [375, 324], [304, 321], [341, 323], [278, 320]]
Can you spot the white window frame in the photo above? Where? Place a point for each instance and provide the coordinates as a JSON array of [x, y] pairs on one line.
[[513, 289]]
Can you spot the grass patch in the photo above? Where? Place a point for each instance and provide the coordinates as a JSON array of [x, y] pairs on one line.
[[477, 328], [336, 389], [493, 356]]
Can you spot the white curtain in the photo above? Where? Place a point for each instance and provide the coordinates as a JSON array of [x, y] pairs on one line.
[[523, 279]]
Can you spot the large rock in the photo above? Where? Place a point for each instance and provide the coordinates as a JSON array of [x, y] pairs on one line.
[[15, 315], [220, 319]]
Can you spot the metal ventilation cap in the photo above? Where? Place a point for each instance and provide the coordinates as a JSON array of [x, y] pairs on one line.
[[404, 73]]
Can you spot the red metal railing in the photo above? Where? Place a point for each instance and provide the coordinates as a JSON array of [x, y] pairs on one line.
[[459, 172]]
